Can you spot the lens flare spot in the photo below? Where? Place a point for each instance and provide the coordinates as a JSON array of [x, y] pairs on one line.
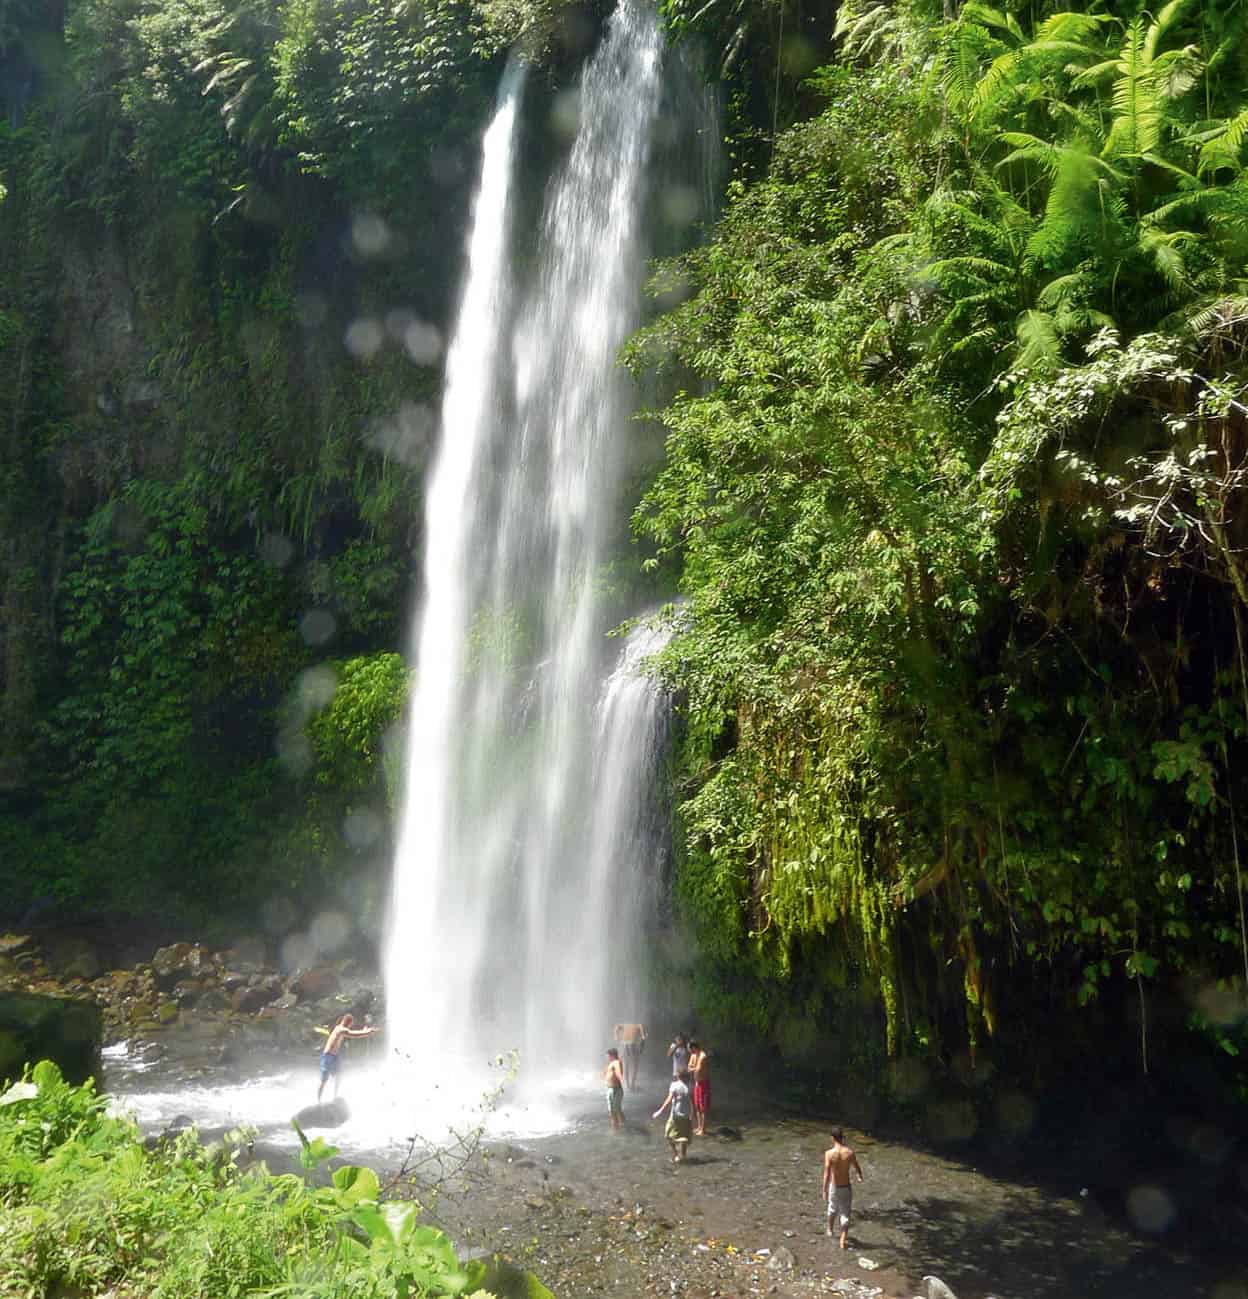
[[317, 627], [1150, 1208], [370, 235], [328, 931]]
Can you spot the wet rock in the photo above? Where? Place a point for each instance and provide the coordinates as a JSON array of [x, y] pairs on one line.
[[731, 1134], [188, 992], [175, 963], [287, 1001], [212, 998], [315, 984], [331, 1114], [247, 1000], [12, 945], [167, 1012], [935, 1288], [781, 1259]]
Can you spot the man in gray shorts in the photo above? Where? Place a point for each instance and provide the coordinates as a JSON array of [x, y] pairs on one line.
[[838, 1160]]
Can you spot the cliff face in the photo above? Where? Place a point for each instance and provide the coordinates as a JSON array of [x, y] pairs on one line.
[[220, 339]]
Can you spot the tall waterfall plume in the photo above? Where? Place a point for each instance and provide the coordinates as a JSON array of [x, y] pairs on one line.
[[520, 892]]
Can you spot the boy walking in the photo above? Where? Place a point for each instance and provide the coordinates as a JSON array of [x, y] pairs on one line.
[[838, 1159]]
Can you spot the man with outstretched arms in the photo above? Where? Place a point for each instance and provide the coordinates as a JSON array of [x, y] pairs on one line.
[[333, 1045]]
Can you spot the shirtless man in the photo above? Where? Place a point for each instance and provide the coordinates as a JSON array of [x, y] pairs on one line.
[[613, 1076], [333, 1045], [838, 1159], [700, 1071], [631, 1039]]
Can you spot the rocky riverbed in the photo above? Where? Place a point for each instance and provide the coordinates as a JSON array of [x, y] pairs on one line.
[[598, 1212]]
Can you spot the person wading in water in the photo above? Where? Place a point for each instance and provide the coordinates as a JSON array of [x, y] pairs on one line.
[[680, 1122], [333, 1045], [613, 1076], [838, 1159]]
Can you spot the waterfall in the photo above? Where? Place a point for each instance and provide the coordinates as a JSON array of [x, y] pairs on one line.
[[528, 826]]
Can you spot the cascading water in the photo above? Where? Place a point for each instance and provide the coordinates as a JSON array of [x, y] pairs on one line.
[[519, 892]]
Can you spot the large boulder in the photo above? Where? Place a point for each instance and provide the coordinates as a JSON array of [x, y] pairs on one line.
[[177, 963], [34, 1028]]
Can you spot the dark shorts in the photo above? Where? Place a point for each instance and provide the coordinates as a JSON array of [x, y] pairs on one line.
[[329, 1064]]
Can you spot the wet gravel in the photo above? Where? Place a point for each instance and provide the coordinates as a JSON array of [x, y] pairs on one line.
[[595, 1212]]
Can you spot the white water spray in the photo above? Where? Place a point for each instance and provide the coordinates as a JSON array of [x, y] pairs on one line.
[[519, 898]]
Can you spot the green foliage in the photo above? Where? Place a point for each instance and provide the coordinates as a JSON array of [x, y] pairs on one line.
[[347, 735], [83, 1204], [940, 485], [354, 78]]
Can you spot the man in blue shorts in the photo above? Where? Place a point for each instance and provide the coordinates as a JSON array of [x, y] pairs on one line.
[[333, 1045]]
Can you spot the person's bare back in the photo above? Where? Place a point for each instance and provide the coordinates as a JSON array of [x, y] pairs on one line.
[[632, 1041], [838, 1161]]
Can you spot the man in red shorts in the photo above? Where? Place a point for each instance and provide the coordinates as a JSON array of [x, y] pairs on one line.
[[700, 1070]]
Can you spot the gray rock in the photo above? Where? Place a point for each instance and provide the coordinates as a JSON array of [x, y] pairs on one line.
[[332, 1114], [177, 963], [935, 1288], [315, 984], [247, 1000], [15, 944], [781, 1259]]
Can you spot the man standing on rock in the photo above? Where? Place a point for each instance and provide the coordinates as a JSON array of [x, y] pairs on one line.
[[333, 1045], [838, 1159]]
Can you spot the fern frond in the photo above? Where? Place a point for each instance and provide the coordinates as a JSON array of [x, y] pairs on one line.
[[1176, 72], [1169, 15], [1071, 209], [1224, 148], [986, 16], [1071, 26], [982, 268], [1038, 340], [1162, 250], [1030, 148], [1222, 313], [1096, 74], [1065, 289], [1137, 111], [1203, 200]]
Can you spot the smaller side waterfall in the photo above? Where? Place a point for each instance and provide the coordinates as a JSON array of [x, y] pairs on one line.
[[629, 833]]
